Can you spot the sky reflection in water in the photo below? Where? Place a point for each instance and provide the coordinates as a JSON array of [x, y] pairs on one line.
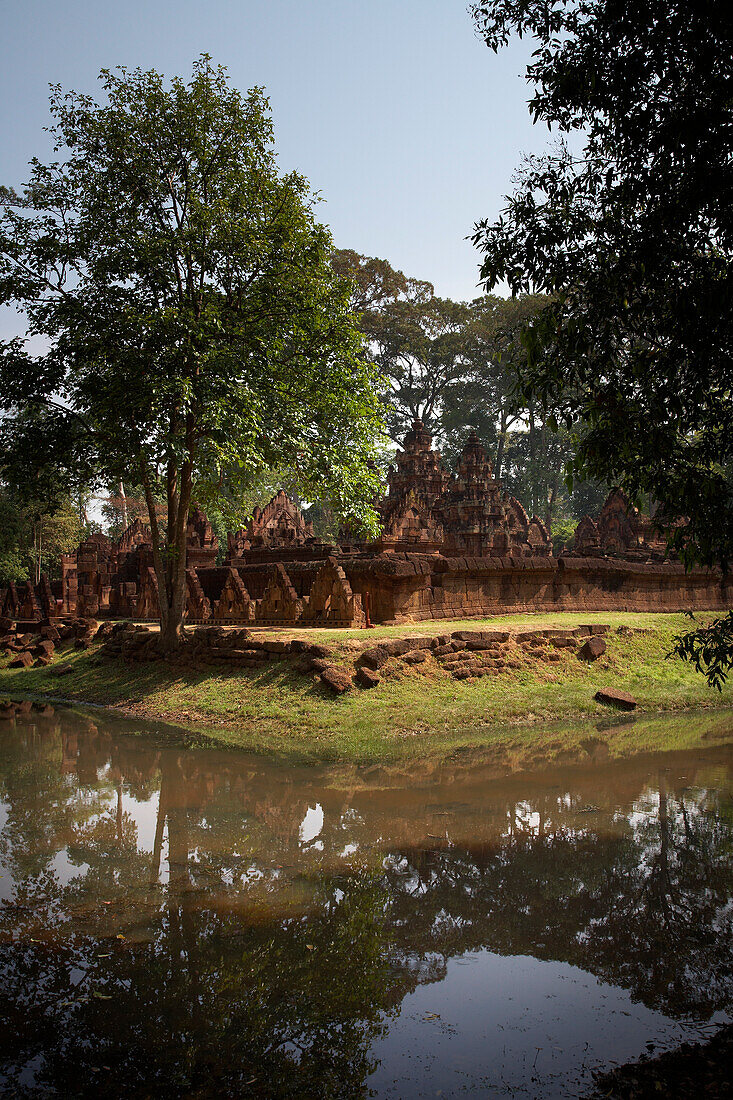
[[199, 923]]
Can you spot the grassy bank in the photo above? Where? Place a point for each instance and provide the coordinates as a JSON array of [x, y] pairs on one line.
[[414, 711]]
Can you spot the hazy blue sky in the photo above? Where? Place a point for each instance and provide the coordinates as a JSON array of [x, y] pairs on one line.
[[404, 121]]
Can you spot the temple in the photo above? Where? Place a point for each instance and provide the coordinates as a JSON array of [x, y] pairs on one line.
[[620, 531], [452, 546]]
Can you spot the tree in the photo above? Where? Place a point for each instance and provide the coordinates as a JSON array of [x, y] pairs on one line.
[[486, 399], [375, 284], [33, 536], [42, 505], [463, 376], [421, 353], [529, 448], [415, 339], [536, 456], [197, 332], [633, 238], [122, 505]]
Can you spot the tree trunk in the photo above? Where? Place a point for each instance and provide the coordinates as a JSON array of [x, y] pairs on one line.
[[169, 558], [171, 619], [172, 595], [532, 469], [501, 447], [159, 830], [551, 499], [119, 817], [39, 528]]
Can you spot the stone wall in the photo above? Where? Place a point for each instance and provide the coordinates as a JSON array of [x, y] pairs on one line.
[[416, 587], [399, 587], [453, 546]]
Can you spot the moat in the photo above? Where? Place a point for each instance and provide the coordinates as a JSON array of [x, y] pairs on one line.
[[194, 922]]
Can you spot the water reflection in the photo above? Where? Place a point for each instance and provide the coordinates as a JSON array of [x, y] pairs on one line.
[[181, 922]]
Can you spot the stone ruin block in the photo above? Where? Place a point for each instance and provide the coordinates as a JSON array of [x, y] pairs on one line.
[[10, 603], [280, 602], [332, 600], [47, 599], [135, 535], [587, 538], [147, 601], [280, 524], [197, 605], [202, 544], [235, 601], [22, 660], [27, 603]]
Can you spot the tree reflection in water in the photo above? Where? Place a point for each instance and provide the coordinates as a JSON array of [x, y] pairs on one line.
[[230, 953]]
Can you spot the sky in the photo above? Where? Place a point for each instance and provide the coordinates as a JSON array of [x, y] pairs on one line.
[[404, 121]]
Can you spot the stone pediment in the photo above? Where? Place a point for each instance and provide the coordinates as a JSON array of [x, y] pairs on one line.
[[279, 525]]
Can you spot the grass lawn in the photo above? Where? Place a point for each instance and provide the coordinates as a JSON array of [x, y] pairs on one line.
[[415, 711]]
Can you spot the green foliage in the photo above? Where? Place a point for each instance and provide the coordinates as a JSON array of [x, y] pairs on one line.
[[198, 334], [39, 465], [563, 533], [416, 340], [34, 534], [586, 498], [486, 398], [121, 507], [39, 520], [13, 559], [633, 239], [538, 454], [456, 366], [709, 648], [325, 523], [13, 566]]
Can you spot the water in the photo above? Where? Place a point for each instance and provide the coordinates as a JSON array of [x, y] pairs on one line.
[[180, 922]]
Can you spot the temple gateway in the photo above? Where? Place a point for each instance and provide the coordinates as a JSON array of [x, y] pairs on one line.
[[452, 546]]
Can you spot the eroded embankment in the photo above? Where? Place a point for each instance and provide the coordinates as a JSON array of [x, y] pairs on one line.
[[434, 694]]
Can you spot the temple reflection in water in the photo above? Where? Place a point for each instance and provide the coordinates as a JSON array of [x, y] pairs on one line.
[[202, 923]]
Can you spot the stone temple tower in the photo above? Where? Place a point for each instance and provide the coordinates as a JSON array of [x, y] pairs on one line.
[[416, 482], [471, 510]]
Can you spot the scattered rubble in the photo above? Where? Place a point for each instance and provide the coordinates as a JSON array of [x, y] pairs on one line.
[[38, 647], [366, 678], [591, 650], [464, 654], [415, 657], [336, 678], [23, 660], [614, 697]]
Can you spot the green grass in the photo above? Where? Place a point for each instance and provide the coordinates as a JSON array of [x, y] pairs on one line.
[[414, 712]]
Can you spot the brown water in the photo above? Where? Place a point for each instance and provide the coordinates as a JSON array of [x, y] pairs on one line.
[[197, 923]]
